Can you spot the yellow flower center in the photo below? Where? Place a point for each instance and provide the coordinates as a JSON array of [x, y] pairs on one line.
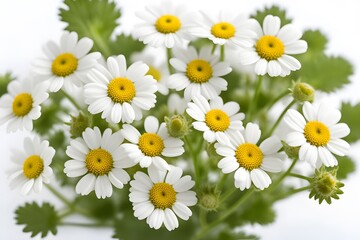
[[22, 104], [270, 47], [199, 71], [162, 195], [33, 166], [64, 65], [217, 120], [316, 133], [155, 73], [249, 156], [99, 162], [168, 24], [151, 144], [121, 90], [223, 30]]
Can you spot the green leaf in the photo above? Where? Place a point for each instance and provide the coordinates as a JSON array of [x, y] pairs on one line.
[[37, 219], [125, 45], [102, 210], [4, 81], [351, 116], [275, 11], [346, 166], [316, 41], [228, 234]]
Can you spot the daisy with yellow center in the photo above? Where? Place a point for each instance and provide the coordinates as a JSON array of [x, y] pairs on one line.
[[270, 49], [198, 73], [32, 166], [164, 25], [21, 105], [215, 119], [233, 31], [318, 134], [66, 64], [120, 93], [249, 160], [162, 196], [148, 148], [100, 159]]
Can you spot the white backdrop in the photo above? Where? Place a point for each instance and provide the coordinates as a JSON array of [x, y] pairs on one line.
[[26, 25]]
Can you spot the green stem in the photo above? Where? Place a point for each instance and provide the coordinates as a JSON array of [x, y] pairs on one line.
[[300, 176], [275, 100], [71, 99], [222, 53], [228, 194], [225, 215], [291, 192], [213, 48], [203, 220], [253, 103], [99, 42], [169, 56], [281, 178], [60, 196], [195, 161], [281, 117], [222, 181]]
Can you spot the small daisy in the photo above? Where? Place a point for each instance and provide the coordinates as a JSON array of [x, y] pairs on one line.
[[318, 134], [159, 71], [148, 148], [225, 29], [162, 195], [241, 153], [199, 74], [271, 48], [66, 64], [21, 105], [164, 25], [120, 93], [215, 118], [100, 160], [32, 166]]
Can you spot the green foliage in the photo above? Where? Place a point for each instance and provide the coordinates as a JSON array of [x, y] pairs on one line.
[[125, 45], [228, 234], [346, 166], [351, 116], [4, 81], [316, 40], [37, 219], [103, 209], [260, 211], [275, 11]]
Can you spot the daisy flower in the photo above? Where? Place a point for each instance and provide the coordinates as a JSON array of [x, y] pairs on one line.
[[120, 93], [66, 64], [160, 196], [21, 105], [159, 71], [215, 118], [225, 29], [148, 148], [271, 48], [32, 166], [249, 161], [198, 74], [100, 160], [164, 25], [318, 134]]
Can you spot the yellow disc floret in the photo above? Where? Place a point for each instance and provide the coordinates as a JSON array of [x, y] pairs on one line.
[[270, 47], [316, 133], [99, 162], [168, 24], [199, 71], [64, 65], [154, 72], [33, 166], [249, 156], [217, 120], [223, 30], [151, 144], [121, 90], [22, 104], [162, 195]]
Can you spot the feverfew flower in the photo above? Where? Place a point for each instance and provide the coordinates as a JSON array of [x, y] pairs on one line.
[[148, 148], [161, 196], [318, 134], [164, 25], [249, 161], [32, 166], [66, 64], [100, 159], [215, 118], [120, 93], [21, 105], [198, 73], [271, 48]]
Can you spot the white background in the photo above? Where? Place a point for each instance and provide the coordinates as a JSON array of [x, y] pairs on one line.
[[26, 25]]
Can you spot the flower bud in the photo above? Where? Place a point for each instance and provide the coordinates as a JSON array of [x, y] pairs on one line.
[[79, 124], [303, 92], [178, 126], [292, 152], [209, 198]]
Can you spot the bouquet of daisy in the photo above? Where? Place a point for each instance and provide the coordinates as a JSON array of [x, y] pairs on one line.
[[187, 127]]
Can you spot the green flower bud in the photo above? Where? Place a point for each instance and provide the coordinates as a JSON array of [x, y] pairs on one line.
[[178, 126], [303, 92], [325, 185], [292, 152], [209, 198], [79, 124]]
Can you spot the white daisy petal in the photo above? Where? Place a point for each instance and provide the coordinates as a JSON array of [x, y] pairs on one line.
[[242, 179], [260, 179], [338, 147]]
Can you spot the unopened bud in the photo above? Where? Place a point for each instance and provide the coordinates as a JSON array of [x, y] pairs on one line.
[[209, 198], [292, 152], [303, 92], [79, 124], [178, 126]]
